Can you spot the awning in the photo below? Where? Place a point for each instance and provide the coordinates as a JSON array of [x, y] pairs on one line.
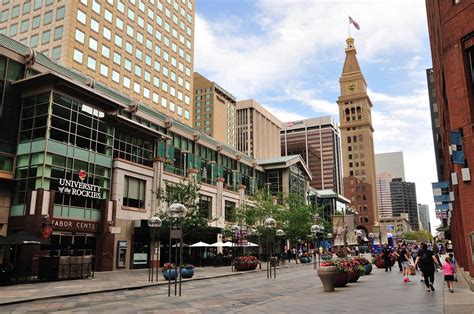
[[200, 244]]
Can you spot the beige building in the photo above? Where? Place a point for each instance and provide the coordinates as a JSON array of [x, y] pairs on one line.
[[395, 226], [258, 131], [214, 110], [143, 49], [384, 197], [357, 134]]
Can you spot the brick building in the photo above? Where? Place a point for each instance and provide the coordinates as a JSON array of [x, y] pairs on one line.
[[451, 29]]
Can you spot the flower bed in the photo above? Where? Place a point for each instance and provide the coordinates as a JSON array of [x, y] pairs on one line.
[[243, 263]]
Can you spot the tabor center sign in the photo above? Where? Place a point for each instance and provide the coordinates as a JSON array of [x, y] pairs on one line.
[[80, 188]]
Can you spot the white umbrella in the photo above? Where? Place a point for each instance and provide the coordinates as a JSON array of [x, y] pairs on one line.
[[177, 245], [222, 244], [251, 244], [200, 244]]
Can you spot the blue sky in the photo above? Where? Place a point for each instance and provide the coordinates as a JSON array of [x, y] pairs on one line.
[[288, 55]]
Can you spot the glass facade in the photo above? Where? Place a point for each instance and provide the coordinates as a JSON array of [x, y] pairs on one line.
[[59, 138], [9, 111]]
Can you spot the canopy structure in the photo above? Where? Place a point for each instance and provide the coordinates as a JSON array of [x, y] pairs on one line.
[[200, 244], [24, 238]]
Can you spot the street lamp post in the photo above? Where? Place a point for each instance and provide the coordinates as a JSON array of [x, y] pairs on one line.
[[280, 233], [270, 224], [176, 212], [314, 231], [153, 223], [235, 231]]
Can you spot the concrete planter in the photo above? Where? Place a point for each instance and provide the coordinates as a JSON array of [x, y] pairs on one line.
[[187, 272], [327, 274], [170, 274]]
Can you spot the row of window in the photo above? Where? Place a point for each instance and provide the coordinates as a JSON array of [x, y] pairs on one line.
[[137, 36], [26, 9], [46, 35]]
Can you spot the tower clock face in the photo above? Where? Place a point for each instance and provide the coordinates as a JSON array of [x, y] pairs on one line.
[[351, 87]]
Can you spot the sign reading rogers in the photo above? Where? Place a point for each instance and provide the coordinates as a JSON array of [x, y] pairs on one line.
[[74, 225], [80, 188]]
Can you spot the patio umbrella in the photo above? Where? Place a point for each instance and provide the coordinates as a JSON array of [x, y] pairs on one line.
[[177, 245], [222, 244], [250, 244], [200, 244]]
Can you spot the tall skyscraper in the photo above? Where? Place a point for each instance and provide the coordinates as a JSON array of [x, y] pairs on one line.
[[387, 166], [317, 140], [451, 25], [144, 49], [390, 163], [424, 213], [357, 137], [435, 123], [214, 110], [404, 201], [258, 131], [384, 197]]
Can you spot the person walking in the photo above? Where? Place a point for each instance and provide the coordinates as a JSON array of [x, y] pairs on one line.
[[386, 252], [455, 266], [448, 271], [403, 260], [426, 261]]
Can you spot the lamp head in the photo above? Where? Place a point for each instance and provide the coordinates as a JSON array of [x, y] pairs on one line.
[[329, 236], [315, 228], [176, 210], [280, 232], [154, 222], [270, 223], [235, 228]]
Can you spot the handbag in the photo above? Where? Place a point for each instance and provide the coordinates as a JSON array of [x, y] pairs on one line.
[[412, 270]]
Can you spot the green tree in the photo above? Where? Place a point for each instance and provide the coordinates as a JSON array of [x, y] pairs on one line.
[[187, 193], [420, 236]]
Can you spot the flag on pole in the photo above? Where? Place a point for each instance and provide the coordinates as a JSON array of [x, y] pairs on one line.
[[351, 21]]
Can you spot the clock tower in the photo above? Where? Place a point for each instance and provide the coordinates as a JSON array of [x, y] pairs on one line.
[[357, 143]]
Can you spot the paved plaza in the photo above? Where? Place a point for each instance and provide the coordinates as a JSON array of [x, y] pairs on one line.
[[296, 289]]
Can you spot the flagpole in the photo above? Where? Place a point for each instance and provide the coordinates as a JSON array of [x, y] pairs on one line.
[[349, 28]]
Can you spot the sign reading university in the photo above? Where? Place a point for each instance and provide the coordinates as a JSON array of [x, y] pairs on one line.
[[80, 188]]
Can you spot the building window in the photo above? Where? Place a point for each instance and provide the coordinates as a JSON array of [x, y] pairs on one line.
[[470, 60], [81, 17], [34, 41], [58, 33], [46, 37], [60, 13], [79, 36], [56, 53], [134, 192], [26, 7], [205, 206], [48, 17], [91, 63], [24, 26], [37, 4]]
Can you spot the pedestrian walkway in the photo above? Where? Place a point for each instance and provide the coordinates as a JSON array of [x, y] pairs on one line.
[[461, 301], [104, 282]]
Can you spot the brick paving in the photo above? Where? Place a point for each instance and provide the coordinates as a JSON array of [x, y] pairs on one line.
[[296, 289]]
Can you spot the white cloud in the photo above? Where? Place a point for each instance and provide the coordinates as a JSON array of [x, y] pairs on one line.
[[295, 33], [284, 115]]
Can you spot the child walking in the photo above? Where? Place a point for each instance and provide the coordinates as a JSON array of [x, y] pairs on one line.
[[448, 271], [455, 266]]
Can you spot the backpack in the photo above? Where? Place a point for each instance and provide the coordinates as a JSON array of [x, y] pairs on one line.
[[426, 259]]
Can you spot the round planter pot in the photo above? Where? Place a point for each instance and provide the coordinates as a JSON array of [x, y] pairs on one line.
[[368, 268], [187, 273], [327, 274], [305, 259], [379, 262], [354, 275], [170, 274], [244, 266], [342, 278]]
